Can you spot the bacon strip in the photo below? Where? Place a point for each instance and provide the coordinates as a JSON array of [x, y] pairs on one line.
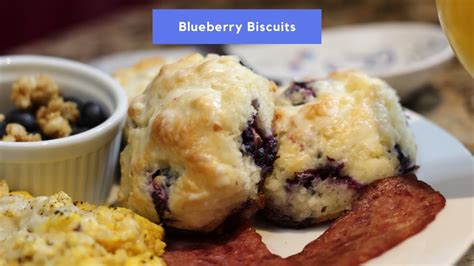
[[242, 247], [387, 212]]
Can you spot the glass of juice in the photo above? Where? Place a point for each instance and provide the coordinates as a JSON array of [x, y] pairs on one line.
[[457, 20]]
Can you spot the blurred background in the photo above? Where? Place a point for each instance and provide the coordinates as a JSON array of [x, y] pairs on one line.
[[85, 30], [26, 21]]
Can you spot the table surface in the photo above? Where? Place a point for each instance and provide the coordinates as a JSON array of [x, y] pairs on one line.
[[448, 100]]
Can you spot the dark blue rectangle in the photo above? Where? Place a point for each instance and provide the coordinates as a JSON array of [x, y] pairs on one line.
[[289, 26]]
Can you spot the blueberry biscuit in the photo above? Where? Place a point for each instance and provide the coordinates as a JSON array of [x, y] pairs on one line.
[[335, 136], [200, 142]]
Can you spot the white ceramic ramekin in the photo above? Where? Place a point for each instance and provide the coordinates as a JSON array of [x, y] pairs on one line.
[[82, 165]]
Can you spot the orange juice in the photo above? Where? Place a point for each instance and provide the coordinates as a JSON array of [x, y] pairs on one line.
[[457, 19]]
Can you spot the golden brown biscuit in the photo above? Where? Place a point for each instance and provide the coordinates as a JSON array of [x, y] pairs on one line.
[[199, 141], [335, 135]]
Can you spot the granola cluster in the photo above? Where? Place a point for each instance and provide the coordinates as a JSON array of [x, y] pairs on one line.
[[40, 105], [28, 91], [54, 119], [16, 132]]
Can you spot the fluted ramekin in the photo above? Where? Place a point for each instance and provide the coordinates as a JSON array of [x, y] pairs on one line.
[[82, 165]]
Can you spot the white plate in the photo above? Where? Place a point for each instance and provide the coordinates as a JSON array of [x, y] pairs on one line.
[[405, 54], [448, 167], [110, 63]]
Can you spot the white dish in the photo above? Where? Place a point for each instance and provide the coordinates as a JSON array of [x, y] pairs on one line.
[[405, 54], [82, 165], [448, 167], [112, 62]]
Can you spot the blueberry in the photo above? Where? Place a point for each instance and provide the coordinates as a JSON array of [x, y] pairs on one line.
[[406, 165], [3, 124], [262, 148], [92, 115], [74, 100], [78, 130], [300, 92], [23, 117], [332, 170]]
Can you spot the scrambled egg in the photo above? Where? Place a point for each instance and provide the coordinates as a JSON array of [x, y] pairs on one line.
[[57, 231]]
